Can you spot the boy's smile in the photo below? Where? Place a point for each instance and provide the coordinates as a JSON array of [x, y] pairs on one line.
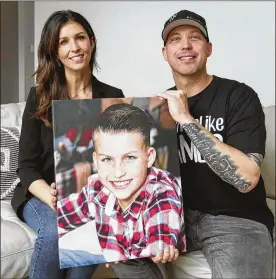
[[122, 160], [121, 184]]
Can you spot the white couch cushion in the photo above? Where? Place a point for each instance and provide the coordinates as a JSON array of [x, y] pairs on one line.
[[272, 205], [11, 114], [17, 242]]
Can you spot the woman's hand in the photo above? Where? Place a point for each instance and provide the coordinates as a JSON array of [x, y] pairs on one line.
[[48, 194], [53, 198]]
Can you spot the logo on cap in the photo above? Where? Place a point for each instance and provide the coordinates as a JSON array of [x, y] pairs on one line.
[[173, 17], [197, 20]]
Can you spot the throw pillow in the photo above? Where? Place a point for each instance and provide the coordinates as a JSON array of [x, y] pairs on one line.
[[9, 160]]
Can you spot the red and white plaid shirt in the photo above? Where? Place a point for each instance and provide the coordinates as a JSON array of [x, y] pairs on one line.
[[154, 219]]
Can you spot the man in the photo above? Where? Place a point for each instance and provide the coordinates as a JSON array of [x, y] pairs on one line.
[[221, 132]]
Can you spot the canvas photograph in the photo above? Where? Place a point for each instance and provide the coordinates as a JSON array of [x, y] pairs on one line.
[[118, 180]]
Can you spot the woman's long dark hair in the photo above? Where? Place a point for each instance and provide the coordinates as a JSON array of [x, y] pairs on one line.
[[50, 75]]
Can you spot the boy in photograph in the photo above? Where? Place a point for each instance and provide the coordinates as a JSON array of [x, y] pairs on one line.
[[137, 208]]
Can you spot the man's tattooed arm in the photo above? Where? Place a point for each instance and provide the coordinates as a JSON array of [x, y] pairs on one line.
[[217, 156], [258, 158]]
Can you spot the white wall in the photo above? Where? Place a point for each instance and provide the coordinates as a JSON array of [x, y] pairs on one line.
[[17, 59], [9, 52], [25, 48], [129, 41]]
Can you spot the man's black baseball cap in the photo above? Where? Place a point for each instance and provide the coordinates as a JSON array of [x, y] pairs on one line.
[[185, 17]]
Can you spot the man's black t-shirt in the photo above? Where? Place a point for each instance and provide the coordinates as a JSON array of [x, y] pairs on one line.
[[232, 112]]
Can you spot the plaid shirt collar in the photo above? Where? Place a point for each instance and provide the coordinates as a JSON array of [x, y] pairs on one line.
[[107, 200]]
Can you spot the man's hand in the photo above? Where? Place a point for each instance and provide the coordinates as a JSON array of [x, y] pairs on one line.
[[169, 254], [155, 103], [178, 105]]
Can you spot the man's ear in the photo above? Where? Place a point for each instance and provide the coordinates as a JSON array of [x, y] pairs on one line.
[[209, 49], [95, 161], [151, 156], [164, 52]]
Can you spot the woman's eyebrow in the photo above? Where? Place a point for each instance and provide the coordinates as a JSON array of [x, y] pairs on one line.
[[75, 35]]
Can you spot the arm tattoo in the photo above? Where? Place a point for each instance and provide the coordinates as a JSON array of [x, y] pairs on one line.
[[258, 158], [221, 164]]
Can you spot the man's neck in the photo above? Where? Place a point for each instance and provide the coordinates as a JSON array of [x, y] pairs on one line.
[[192, 84]]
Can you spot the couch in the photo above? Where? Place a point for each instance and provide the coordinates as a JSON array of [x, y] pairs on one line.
[[17, 239]]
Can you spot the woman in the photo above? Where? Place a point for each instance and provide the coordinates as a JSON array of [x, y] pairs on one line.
[[66, 59]]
